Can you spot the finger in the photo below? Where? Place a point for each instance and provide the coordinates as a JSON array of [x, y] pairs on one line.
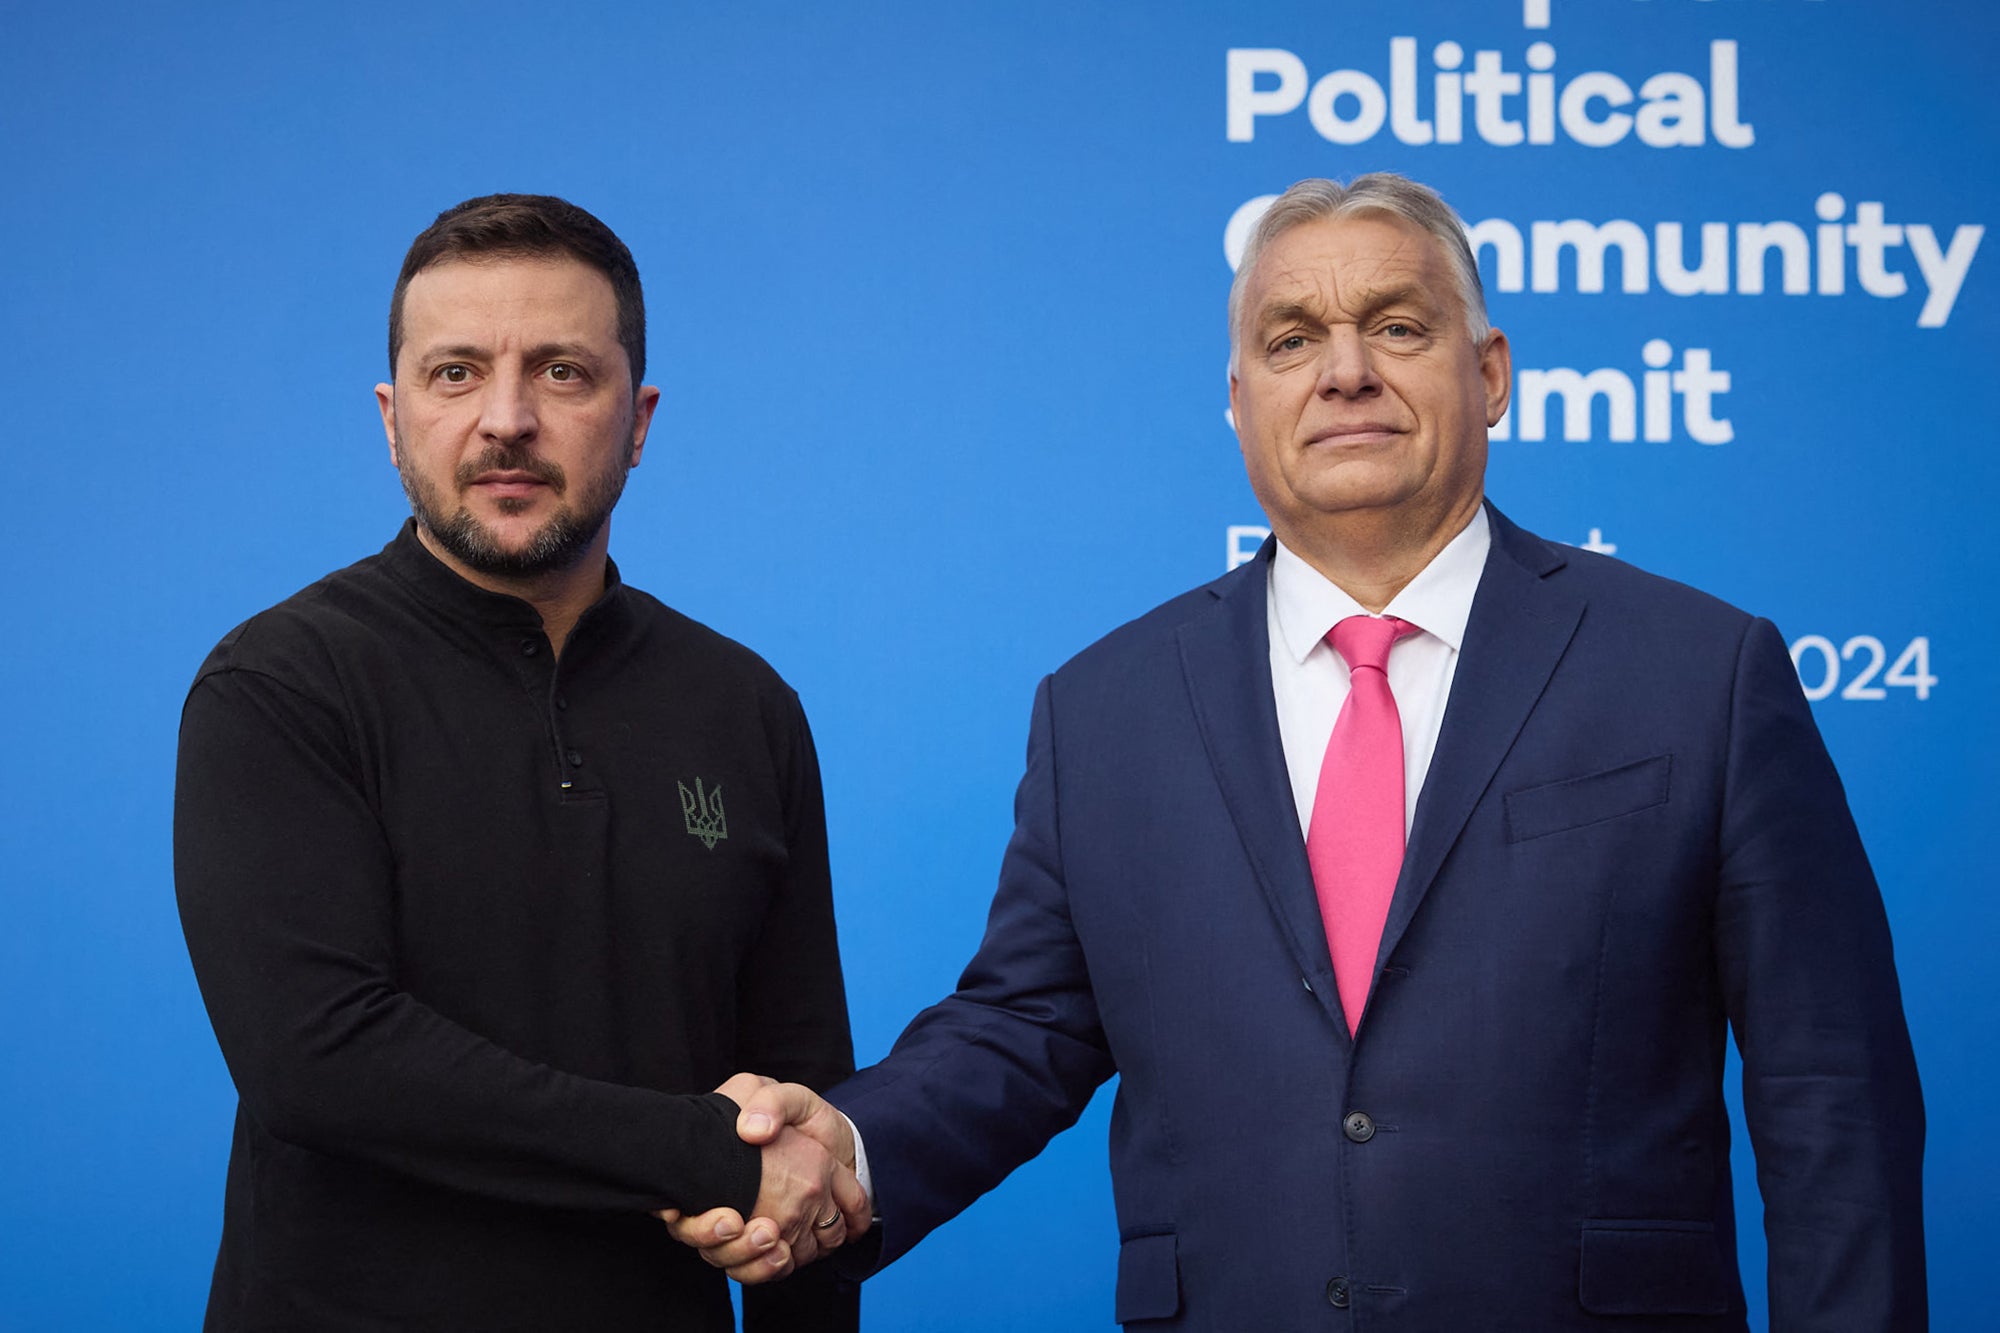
[[774, 1106], [775, 1262], [764, 1267], [714, 1227], [759, 1244], [762, 1270], [737, 1253], [830, 1232], [799, 1235], [853, 1203], [668, 1215], [739, 1088]]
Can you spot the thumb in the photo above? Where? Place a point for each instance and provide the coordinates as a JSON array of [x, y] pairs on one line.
[[739, 1087], [800, 1107], [774, 1106]]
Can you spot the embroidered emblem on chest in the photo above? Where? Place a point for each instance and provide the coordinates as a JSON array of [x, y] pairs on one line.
[[703, 809]]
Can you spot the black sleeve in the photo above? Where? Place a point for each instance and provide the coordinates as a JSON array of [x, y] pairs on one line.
[[791, 1004], [285, 884], [819, 1298], [792, 1011]]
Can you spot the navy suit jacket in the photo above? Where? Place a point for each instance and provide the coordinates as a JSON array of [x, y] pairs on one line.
[[1630, 841]]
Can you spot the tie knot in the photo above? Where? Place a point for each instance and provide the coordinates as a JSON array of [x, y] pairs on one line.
[[1365, 640]]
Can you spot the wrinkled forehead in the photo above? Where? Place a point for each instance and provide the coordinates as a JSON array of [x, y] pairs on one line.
[[1351, 265]]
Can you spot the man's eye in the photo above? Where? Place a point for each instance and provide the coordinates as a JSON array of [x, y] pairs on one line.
[[1292, 343], [562, 372], [454, 374], [1396, 328]]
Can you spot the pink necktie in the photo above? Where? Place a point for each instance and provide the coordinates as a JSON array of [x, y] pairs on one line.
[[1355, 844]]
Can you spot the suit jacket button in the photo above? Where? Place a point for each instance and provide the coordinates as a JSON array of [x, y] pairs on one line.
[[1336, 1293], [1358, 1127]]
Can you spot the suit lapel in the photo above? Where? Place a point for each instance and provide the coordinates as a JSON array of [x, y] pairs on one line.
[[1519, 628], [1225, 654]]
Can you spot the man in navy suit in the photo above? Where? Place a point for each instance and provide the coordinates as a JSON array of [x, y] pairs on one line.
[[1624, 840]]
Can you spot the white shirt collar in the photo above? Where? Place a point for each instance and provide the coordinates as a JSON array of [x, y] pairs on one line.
[[1438, 600]]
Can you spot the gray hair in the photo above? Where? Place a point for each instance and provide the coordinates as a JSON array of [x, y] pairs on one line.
[[1378, 192]]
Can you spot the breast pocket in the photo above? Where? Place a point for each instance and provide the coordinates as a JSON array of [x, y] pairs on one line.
[[1553, 807]]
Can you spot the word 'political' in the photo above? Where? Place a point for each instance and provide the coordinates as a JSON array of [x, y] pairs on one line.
[[1350, 106]]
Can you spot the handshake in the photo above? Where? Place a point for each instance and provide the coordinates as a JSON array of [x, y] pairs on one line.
[[809, 1202]]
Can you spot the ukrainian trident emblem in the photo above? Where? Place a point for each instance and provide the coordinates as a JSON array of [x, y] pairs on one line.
[[703, 810]]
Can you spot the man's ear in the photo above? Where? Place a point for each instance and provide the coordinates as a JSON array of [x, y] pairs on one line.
[[1496, 370], [643, 404], [385, 403]]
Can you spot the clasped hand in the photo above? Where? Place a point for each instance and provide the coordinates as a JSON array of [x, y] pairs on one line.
[[808, 1200]]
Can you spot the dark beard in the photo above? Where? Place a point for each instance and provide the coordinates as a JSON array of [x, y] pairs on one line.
[[557, 545]]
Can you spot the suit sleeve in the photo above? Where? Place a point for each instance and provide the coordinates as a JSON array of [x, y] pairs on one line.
[[980, 1082], [1829, 1080], [792, 1017], [285, 884]]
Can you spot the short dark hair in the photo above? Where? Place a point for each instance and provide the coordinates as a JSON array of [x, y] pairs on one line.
[[500, 225]]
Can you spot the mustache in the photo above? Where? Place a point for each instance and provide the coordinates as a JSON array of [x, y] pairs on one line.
[[501, 458]]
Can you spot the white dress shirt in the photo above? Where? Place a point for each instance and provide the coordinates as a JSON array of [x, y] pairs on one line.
[[1310, 679]]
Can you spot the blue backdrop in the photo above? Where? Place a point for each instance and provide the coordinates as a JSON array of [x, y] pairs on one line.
[[937, 301]]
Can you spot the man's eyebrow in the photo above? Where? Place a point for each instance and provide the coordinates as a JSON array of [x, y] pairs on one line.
[[1409, 293], [1369, 302], [562, 351], [1287, 312], [453, 352]]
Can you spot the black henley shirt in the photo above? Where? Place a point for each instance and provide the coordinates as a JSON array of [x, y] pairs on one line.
[[477, 928]]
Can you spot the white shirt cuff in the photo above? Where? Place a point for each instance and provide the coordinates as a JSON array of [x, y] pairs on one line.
[[860, 1160]]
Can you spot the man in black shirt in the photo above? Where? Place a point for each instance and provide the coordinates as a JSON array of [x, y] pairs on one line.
[[489, 864]]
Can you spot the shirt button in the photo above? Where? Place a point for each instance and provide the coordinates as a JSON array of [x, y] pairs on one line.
[[1337, 1293], [575, 759], [1358, 1127], [529, 647], [562, 701]]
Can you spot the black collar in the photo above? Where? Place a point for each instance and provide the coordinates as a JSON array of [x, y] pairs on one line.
[[450, 593]]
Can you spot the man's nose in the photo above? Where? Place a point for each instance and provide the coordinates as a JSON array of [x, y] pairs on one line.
[[507, 408], [1347, 368]]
